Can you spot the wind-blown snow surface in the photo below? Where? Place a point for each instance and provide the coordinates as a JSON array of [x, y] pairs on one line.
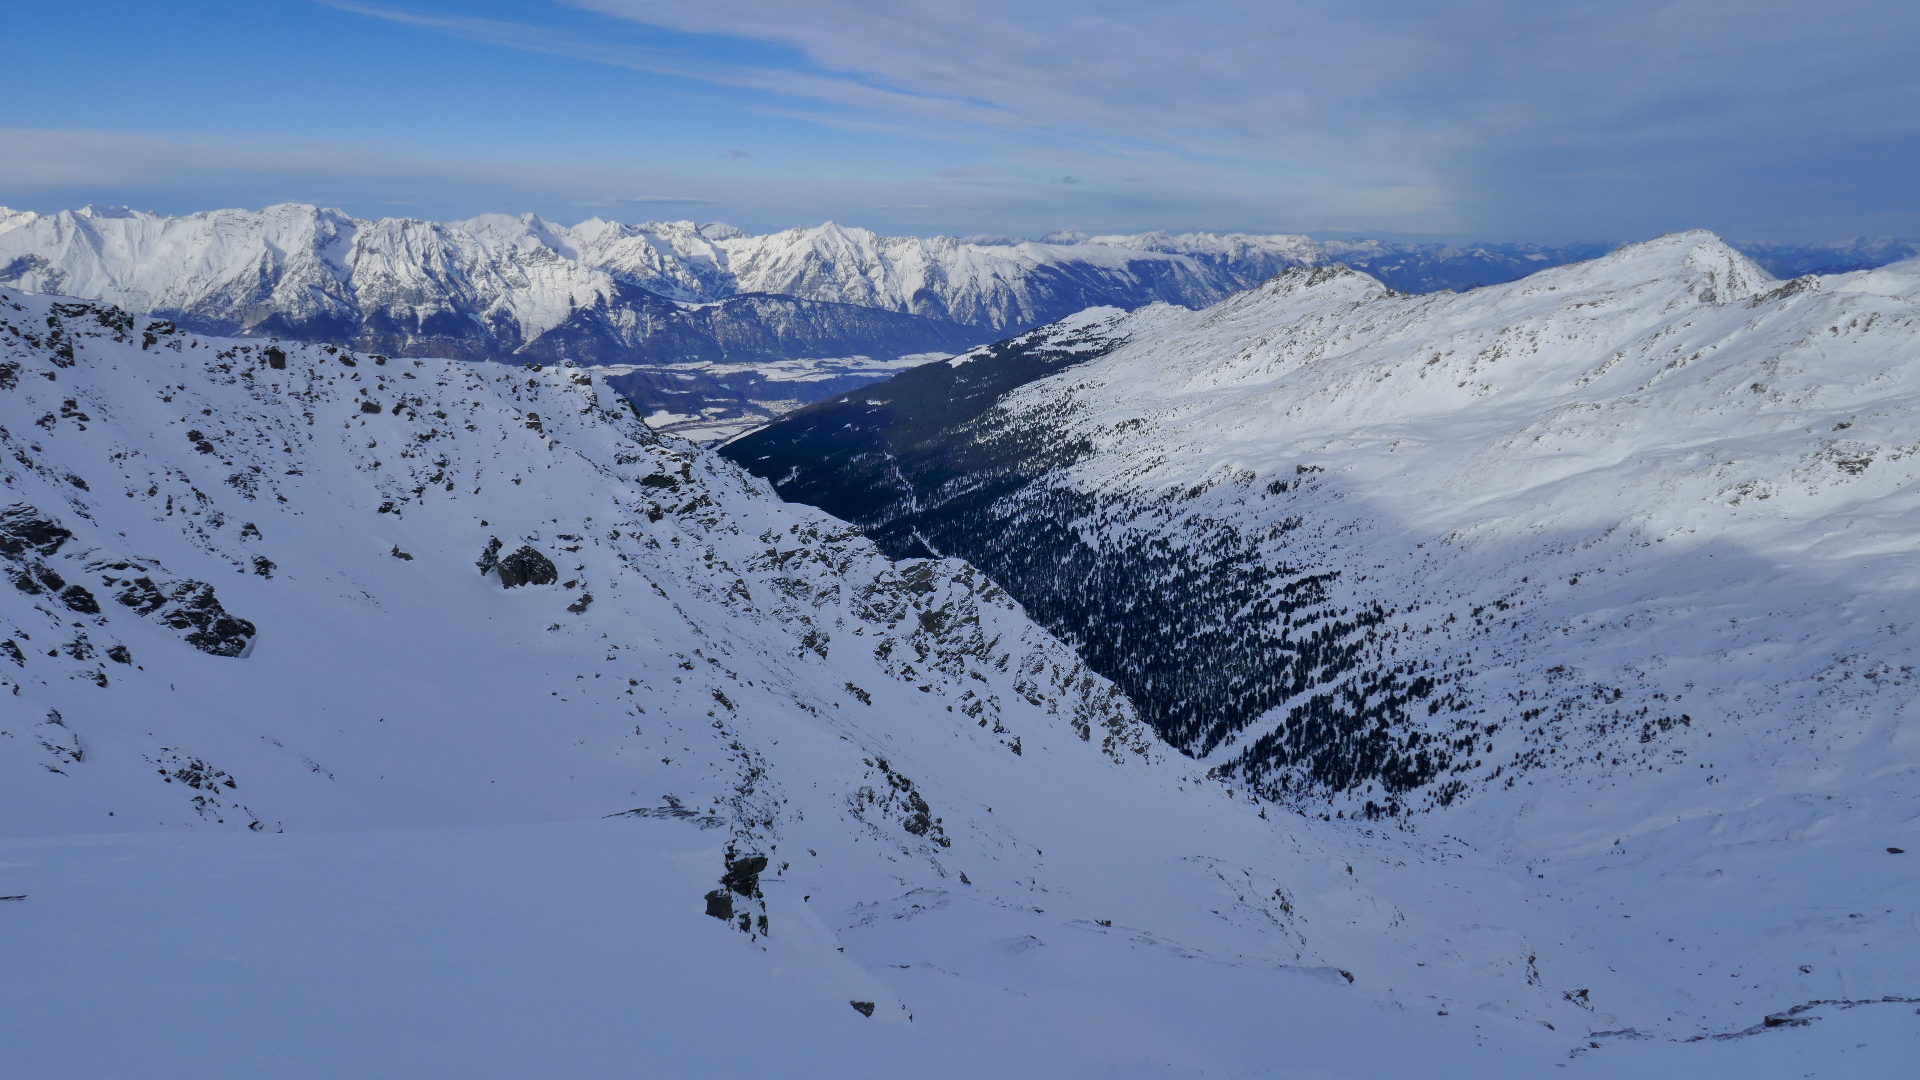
[[293, 789]]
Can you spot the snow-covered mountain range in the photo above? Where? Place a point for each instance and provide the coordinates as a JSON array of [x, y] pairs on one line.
[[493, 286], [676, 301], [393, 717], [504, 286]]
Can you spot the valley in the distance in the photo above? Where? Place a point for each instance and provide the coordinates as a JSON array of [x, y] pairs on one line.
[[1311, 677]]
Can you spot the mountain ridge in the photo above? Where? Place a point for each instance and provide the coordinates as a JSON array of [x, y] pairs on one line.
[[1193, 497], [677, 298]]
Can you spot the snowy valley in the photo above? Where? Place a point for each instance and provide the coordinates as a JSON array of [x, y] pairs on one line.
[[1340, 683], [1620, 550]]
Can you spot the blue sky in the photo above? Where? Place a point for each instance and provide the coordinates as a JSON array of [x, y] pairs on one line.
[[1489, 119]]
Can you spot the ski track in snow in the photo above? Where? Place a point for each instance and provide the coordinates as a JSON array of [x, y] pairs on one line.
[[393, 836]]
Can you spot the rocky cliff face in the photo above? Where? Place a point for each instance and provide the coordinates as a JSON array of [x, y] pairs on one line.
[[247, 464]]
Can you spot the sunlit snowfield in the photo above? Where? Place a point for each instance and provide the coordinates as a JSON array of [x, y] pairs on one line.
[[425, 862]]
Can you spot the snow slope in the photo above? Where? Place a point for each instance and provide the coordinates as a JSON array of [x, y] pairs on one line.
[[1610, 569], [1370, 471], [295, 786]]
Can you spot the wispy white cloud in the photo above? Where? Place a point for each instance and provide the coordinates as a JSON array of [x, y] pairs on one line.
[[1499, 118], [1457, 110], [875, 105]]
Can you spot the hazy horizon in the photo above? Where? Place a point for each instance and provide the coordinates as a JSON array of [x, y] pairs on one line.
[[1493, 121]]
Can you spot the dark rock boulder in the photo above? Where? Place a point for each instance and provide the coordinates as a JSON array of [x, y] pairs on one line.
[[743, 874], [209, 628], [527, 567], [489, 556], [79, 599], [190, 606], [142, 595], [23, 529], [34, 577]]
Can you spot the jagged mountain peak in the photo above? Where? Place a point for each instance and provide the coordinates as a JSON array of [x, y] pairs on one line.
[[832, 232], [13, 219], [105, 213]]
